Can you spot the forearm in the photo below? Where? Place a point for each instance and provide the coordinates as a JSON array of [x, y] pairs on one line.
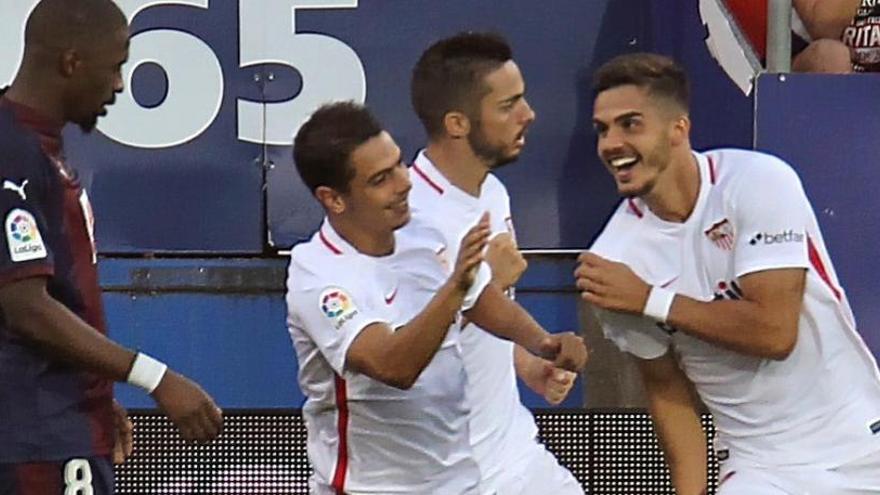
[[414, 345], [55, 330], [525, 363], [504, 318], [738, 325]]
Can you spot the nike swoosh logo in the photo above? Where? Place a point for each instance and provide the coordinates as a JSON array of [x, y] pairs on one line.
[[667, 284], [390, 299]]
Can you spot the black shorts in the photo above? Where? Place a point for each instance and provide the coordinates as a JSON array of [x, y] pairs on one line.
[[89, 476]]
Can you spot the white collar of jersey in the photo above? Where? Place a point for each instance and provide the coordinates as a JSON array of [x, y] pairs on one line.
[[332, 241], [425, 171]]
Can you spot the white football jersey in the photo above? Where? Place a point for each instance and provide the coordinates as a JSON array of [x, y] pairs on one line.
[[501, 428], [365, 436], [821, 405]]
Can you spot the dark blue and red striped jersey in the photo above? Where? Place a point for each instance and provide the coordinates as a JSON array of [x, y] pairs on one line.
[[48, 410]]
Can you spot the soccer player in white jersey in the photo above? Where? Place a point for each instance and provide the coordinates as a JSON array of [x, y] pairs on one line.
[[379, 357], [470, 96], [713, 273]]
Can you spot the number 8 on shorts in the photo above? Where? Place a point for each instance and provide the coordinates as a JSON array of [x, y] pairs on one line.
[[78, 478]]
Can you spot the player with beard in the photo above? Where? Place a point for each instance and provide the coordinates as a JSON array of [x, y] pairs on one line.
[[59, 425], [713, 273], [373, 312], [470, 96]]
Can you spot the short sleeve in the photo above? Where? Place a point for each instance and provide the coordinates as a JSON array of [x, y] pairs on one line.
[[333, 317], [633, 334], [771, 214], [24, 249]]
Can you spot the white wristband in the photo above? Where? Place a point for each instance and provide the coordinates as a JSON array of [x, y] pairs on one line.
[[658, 304], [146, 372]]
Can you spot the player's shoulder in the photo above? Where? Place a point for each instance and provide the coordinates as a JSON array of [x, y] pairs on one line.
[[314, 265], [621, 228], [20, 150], [740, 168]]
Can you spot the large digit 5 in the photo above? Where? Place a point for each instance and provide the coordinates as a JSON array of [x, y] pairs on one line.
[[195, 85], [12, 22], [330, 69]]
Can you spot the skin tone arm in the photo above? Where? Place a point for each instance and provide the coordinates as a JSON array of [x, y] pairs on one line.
[[504, 318], [676, 422], [826, 18], [508, 265], [764, 323], [53, 329], [397, 358]]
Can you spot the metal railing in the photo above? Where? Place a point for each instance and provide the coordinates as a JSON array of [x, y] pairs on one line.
[[778, 36]]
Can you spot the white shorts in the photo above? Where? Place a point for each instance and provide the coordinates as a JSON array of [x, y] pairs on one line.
[[860, 477], [537, 473]]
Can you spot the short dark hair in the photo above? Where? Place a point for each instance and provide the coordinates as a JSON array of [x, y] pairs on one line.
[[449, 76], [65, 24], [660, 75], [323, 146]]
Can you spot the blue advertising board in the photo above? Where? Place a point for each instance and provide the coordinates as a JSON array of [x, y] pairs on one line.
[[195, 156]]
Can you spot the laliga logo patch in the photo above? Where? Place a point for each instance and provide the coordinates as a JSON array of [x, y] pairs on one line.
[[23, 236], [337, 306]]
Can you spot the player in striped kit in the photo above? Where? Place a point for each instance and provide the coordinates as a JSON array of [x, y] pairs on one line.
[[373, 310]]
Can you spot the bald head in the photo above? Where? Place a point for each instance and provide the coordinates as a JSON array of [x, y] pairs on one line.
[[73, 57], [59, 25]]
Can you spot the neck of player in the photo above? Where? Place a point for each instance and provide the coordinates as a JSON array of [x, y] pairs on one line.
[[38, 93], [674, 196], [456, 160]]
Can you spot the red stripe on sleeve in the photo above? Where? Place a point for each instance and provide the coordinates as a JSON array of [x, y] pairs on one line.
[[342, 427], [819, 266]]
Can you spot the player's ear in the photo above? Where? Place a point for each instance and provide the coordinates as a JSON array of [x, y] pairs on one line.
[[330, 199], [68, 62], [457, 124], [680, 130]]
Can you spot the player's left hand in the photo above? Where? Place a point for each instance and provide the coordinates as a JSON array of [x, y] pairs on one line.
[[556, 382], [124, 434], [610, 285], [505, 260]]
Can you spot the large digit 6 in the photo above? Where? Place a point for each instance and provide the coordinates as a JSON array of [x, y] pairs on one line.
[[330, 69], [195, 85]]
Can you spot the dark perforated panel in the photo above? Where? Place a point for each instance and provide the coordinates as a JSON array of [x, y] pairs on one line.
[[610, 452]]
